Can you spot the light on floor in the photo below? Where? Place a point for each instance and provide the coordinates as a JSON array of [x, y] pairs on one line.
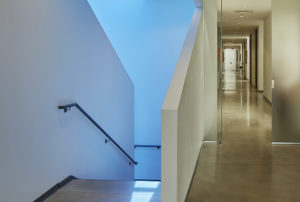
[[141, 196], [146, 184]]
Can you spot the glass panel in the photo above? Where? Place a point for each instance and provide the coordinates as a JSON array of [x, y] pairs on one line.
[[286, 70], [220, 70]]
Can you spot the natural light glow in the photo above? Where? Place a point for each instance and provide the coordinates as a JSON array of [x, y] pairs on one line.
[[141, 196], [146, 184]]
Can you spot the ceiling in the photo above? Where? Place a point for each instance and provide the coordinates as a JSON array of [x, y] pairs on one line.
[[238, 29], [234, 41], [242, 22]]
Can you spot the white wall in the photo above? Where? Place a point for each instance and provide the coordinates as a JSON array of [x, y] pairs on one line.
[[211, 68], [268, 58], [191, 117], [183, 116], [148, 36], [52, 53]]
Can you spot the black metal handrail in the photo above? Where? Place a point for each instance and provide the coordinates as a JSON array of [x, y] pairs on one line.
[[156, 146], [109, 138]]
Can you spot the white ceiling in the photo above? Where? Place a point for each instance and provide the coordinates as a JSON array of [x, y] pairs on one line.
[[233, 23]]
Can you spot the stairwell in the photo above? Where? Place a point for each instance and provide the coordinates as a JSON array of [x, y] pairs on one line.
[[102, 190]]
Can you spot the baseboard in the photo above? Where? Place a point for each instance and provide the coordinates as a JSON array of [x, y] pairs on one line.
[[54, 189], [285, 143], [267, 99]]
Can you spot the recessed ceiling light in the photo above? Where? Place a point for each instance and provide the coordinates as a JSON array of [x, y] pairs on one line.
[[243, 11]]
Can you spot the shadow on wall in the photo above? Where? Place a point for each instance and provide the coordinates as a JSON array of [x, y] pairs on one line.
[[148, 37]]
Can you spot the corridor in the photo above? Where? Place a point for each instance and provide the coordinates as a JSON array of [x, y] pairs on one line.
[[246, 167]]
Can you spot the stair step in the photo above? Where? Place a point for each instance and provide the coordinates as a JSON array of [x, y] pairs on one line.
[[108, 191]]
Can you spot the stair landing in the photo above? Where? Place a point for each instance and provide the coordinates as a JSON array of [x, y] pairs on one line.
[[108, 191]]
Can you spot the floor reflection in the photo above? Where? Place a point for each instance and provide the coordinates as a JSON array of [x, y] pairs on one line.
[[246, 167]]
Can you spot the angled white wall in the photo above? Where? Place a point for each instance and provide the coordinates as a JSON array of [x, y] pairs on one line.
[[189, 113], [52, 53], [183, 116]]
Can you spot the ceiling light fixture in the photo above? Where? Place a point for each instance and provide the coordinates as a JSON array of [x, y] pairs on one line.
[[243, 11], [244, 4]]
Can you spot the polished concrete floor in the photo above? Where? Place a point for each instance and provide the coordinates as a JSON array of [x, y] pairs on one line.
[[246, 167], [107, 191]]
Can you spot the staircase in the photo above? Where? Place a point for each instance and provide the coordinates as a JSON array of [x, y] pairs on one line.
[[72, 189], [107, 191]]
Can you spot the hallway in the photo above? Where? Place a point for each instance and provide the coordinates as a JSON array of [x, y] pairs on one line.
[[246, 167]]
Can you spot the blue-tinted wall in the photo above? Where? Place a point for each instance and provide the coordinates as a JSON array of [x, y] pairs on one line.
[[53, 53], [147, 36]]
